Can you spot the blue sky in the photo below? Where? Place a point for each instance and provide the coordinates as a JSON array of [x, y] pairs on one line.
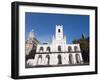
[[44, 24]]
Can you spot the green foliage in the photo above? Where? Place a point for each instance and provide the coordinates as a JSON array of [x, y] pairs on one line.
[[84, 45]]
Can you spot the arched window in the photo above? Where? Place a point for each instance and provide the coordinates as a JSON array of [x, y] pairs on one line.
[[48, 49], [78, 59], [59, 59], [41, 49], [76, 48], [59, 30], [70, 59], [39, 59], [69, 49], [48, 59], [59, 48]]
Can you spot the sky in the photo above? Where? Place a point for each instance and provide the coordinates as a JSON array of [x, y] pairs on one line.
[[44, 25]]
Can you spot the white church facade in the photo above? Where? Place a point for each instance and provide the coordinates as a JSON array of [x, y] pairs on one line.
[[58, 52]]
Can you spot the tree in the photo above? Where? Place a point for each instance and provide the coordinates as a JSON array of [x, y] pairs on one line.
[[84, 45]]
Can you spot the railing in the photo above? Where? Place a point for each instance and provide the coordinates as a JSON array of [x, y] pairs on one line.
[[57, 52]]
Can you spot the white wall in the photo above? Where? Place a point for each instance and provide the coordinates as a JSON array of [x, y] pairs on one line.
[[5, 40]]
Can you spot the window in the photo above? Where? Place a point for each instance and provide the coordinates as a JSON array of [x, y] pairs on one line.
[[78, 59], [76, 48], [59, 59], [59, 30], [48, 49], [39, 59], [41, 49], [70, 59], [59, 48], [69, 49], [48, 59]]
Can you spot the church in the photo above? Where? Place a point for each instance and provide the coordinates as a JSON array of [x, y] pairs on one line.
[[58, 52]]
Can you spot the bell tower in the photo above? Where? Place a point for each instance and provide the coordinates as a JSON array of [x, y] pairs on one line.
[[59, 32]]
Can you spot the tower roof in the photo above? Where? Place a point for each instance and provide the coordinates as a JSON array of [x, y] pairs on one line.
[[59, 26]]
